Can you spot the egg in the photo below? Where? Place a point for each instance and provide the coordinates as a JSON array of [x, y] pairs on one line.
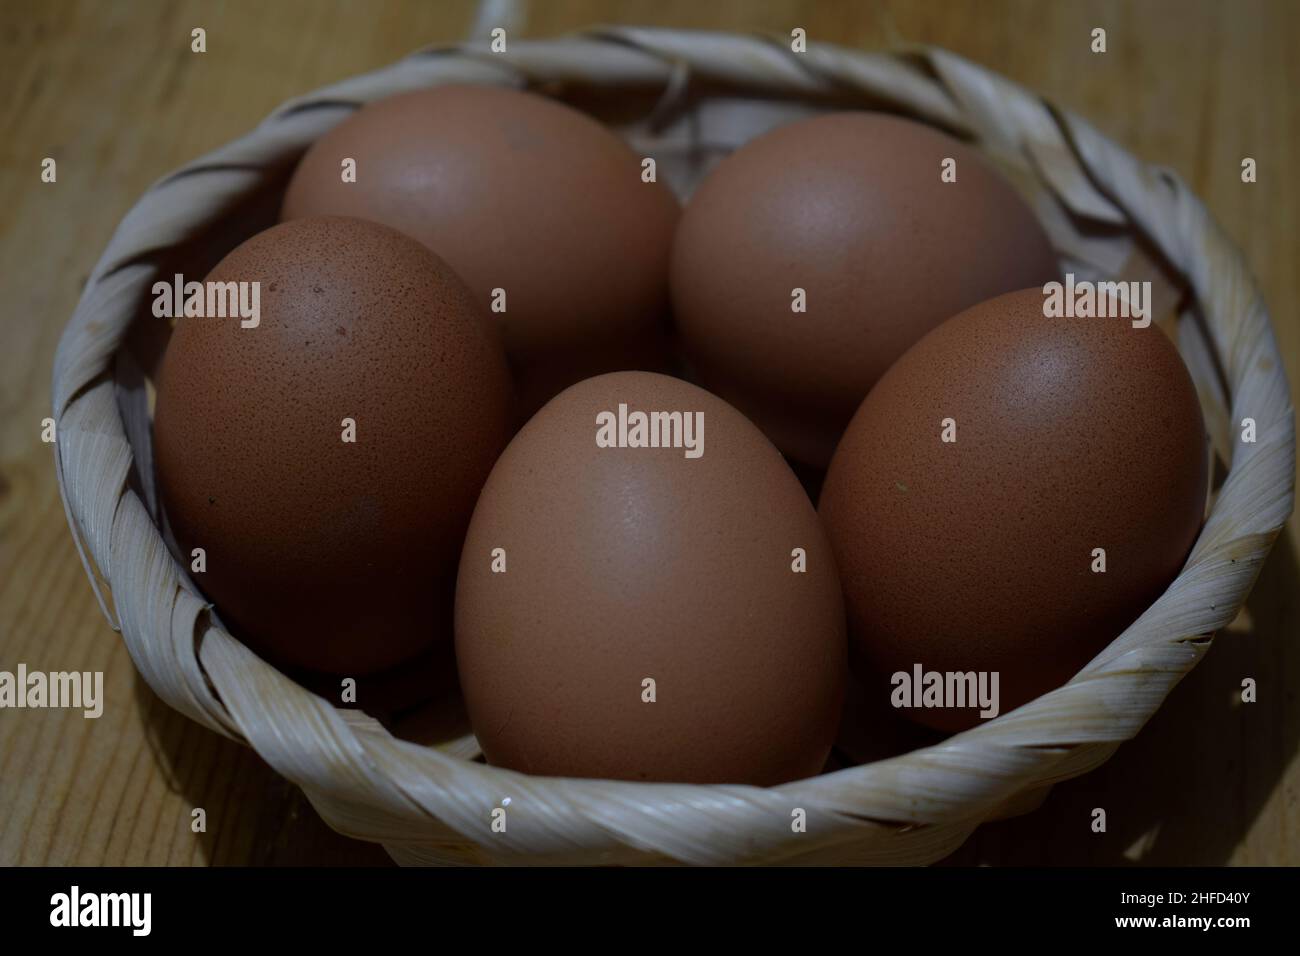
[[1013, 493], [649, 598], [811, 258], [541, 209], [326, 458]]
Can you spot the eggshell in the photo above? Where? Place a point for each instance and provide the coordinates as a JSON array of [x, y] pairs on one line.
[[628, 564], [851, 209], [977, 555], [324, 554], [521, 193]]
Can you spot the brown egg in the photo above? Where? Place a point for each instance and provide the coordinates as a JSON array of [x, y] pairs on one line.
[[520, 193], [322, 553], [851, 209], [622, 565], [1071, 434]]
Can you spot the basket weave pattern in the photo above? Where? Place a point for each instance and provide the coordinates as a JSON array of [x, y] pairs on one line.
[[1108, 215]]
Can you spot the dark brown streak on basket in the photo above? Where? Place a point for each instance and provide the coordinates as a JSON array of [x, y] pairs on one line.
[[313, 106], [1149, 246]]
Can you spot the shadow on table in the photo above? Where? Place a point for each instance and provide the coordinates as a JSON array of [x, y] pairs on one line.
[[254, 816], [1186, 790]]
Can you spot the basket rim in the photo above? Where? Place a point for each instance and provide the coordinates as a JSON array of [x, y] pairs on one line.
[[1120, 689]]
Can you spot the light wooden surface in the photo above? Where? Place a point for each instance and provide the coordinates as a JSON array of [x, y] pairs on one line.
[[113, 93]]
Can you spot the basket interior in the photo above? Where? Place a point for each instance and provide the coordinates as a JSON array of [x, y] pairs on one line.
[[688, 132]]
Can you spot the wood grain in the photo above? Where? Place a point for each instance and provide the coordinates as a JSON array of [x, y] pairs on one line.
[[113, 93]]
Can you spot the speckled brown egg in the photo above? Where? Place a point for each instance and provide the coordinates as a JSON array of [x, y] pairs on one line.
[[635, 613], [977, 554], [851, 209], [521, 193], [322, 553]]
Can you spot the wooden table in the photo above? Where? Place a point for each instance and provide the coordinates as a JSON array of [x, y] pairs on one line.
[[114, 94]]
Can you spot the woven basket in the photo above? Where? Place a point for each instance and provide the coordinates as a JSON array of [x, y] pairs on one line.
[[686, 98]]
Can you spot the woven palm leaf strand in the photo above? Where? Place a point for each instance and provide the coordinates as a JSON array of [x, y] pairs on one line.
[[428, 804]]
